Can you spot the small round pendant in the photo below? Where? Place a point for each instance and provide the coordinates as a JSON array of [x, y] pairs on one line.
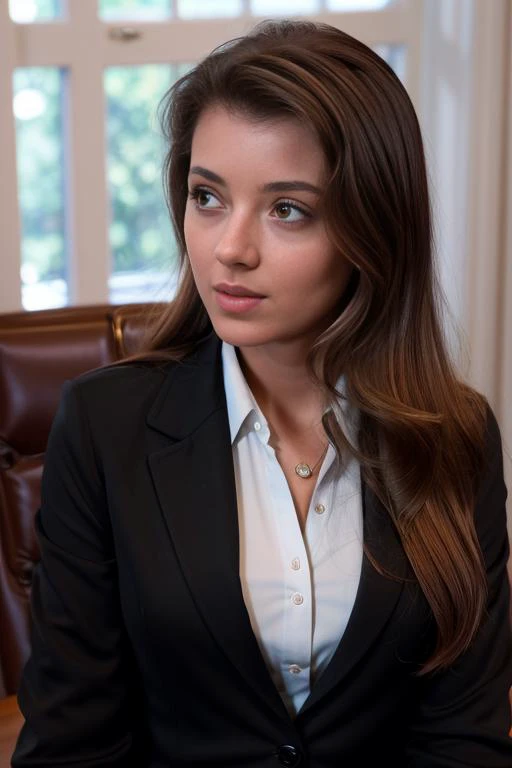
[[303, 470]]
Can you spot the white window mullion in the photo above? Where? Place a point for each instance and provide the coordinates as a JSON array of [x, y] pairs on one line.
[[170, 41], [45, 44], [181, 40], [88, 200], [10, 282]]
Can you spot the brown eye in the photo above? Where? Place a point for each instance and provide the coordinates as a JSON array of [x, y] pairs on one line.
[[203, 198], [290, 212], [283, 210]]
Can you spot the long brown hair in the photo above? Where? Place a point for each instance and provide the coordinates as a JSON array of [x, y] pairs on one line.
[[421, 438]]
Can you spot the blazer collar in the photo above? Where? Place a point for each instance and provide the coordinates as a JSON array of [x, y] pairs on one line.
[[196, 385]]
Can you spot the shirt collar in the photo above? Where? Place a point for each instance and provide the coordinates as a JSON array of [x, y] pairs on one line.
[[239, 398], [241, 403]]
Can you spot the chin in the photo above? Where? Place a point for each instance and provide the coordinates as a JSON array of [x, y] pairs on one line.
[[241, 334]]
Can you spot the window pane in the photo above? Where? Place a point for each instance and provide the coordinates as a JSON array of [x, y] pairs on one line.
[[395, 56], [207, 9], [274, 7], [143, 248], [26, 11], [357, 5], [135, 10], [38, 111]]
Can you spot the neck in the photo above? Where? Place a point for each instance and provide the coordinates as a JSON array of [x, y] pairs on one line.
[[283, 387]]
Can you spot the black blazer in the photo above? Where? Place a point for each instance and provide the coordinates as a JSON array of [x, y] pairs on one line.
[[142, 649]]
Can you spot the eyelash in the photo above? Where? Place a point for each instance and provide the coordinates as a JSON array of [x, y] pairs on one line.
[[195, 192], [295, 207]]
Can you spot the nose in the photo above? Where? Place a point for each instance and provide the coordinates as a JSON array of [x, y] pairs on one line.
[[238, 244]]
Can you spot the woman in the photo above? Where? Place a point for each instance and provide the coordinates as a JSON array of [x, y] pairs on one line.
[[279, 537]]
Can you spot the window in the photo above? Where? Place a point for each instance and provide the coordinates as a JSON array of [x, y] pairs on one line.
[[37, 103], [91, 220]]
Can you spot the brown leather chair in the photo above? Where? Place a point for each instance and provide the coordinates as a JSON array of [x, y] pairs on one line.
[[39, 351]]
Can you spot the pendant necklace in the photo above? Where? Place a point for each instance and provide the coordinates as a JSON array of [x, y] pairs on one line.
[[303, 469]]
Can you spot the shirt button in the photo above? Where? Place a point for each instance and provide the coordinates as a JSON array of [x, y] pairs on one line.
[[297, 598], [296, 564], [257, 426], [294, 669], [288, 755], [319, 509]]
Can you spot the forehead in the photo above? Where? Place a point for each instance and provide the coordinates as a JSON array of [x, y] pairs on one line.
[[233, 139]]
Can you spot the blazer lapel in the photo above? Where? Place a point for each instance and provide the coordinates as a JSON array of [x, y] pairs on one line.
[[195, 484], [376, 597]]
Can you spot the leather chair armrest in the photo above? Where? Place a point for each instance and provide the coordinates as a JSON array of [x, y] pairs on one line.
[[11, 721]]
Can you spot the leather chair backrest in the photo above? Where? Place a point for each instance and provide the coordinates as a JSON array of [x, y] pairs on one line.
[[39, 351]]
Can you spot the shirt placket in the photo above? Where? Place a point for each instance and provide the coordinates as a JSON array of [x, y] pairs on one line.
[[297, 615]]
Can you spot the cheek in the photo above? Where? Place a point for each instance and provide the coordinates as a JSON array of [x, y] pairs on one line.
[[192, 230], [188, 230], [198, 272], [193, 246], [326, 272]]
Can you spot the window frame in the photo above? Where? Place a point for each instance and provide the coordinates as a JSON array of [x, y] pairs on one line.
[[67, 44]]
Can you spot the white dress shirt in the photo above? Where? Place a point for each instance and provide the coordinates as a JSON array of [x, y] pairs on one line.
[[299, 589]]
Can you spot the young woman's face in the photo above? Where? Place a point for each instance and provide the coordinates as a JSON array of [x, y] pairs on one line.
[[255, 230]]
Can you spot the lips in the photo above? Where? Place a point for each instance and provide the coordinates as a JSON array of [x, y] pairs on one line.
[[237, 290], [237, 300]]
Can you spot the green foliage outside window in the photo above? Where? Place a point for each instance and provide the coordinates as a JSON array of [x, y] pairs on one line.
[[48, 8], [40, 171], [140, 233]]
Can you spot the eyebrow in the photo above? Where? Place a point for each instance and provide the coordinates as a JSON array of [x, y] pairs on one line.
[[272, 186]]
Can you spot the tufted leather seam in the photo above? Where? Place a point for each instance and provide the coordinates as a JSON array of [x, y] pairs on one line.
[[8, 455]]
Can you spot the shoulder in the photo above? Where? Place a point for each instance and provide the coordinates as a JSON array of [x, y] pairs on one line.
[[490, 502], [117, 403], [492, 464], [120, 380], [138, 379], [493, 442], [112, 400], [127, 387]]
